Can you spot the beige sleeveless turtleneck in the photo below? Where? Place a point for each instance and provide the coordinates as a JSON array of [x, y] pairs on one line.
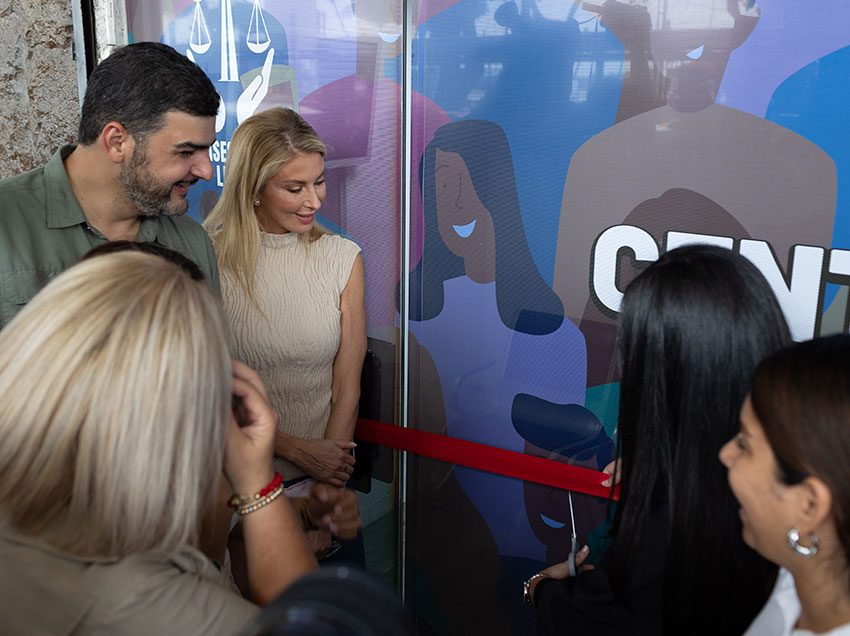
[[293, 341]]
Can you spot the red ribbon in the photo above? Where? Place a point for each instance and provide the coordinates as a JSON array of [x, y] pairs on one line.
[[487, 458]]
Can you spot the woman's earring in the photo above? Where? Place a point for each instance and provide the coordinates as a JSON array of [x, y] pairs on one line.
[[804, 551], [256, 203]]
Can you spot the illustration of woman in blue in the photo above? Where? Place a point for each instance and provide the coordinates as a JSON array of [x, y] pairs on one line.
[[480, 307]]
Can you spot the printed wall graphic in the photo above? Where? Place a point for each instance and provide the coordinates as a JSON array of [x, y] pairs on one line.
[[571, 434], [810, 103], [246, 54], [557, 146], [548, 75], [790, 35], [764, 175], [476, 263], [497, 374], [441, 514], [632, 128], [677, 208], [329, 63]]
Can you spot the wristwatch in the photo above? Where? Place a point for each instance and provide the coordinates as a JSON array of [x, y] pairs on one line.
[[528, 587]]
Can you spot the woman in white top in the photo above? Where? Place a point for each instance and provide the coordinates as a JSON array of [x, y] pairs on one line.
[[789, 470]]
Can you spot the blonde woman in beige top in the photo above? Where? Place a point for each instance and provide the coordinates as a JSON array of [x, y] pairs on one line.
[[293, 293]]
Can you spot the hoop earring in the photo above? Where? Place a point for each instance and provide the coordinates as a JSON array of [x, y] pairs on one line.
[[804, 551]]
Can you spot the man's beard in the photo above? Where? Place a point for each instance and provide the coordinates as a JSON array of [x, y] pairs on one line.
[[151, 197]]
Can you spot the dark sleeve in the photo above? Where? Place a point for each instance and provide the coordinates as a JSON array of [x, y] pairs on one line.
[[586, 605]]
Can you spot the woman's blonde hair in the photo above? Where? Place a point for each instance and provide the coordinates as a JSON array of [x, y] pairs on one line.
[[260, 147], [116, 385]]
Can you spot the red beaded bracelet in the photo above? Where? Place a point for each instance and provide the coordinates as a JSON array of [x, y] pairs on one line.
[[237, 501], [276, 481]]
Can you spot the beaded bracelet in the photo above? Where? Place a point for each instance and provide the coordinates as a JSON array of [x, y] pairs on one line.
[[240, 501], [259, 503]]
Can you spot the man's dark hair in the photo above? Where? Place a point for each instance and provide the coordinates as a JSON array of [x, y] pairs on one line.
[[188, 265], [138, 84]]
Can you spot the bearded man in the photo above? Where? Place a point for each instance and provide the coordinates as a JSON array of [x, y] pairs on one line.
[[147, 122]]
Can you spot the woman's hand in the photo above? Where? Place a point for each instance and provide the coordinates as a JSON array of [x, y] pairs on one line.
[[559, 571], [327, 460], [335, 510], [562, 570], [250, 439], [615, 470]]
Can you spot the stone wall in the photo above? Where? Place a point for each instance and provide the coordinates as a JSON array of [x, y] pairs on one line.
[[39, 103]]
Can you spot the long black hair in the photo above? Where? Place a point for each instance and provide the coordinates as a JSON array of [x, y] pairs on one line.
[[693, 327], [525, 301]]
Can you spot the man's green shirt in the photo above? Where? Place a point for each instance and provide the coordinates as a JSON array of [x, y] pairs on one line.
[[43, 231]]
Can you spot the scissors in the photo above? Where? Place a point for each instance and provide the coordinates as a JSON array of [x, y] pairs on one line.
[[571, 559]]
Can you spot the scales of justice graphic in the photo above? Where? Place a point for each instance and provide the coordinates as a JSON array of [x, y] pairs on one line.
[[244, 52], [257, 36]]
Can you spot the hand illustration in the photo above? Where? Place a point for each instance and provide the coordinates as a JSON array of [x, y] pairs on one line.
[[256, 91], [221, 115]]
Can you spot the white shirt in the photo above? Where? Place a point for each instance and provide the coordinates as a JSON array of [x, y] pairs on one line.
[[782, 611]]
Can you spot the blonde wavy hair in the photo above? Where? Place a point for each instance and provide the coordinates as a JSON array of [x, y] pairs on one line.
[[116, 386], [260, 147]]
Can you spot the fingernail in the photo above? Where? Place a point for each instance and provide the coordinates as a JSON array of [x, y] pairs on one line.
[[326, 520], [337, 509], [584, 550], [323, 495], [353, 445], [606, 481]]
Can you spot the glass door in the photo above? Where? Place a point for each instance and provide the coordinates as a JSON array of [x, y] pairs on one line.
[[338, 64]]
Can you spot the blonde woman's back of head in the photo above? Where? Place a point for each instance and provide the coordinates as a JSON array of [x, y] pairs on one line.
[[115, 384]]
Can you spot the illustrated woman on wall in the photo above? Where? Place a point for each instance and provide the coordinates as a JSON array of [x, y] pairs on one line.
[[486, 316], [473, 228]]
